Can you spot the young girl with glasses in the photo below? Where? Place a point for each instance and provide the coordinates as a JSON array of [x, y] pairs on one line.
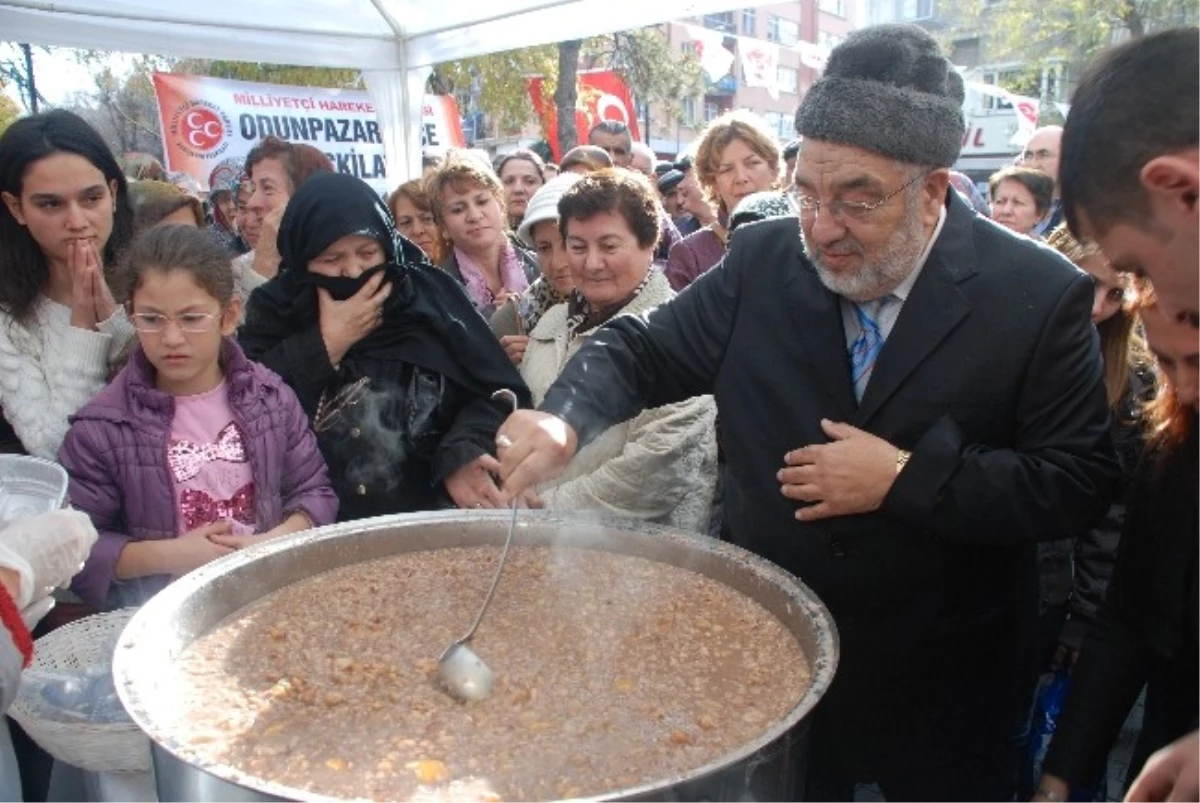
[[193, 451]]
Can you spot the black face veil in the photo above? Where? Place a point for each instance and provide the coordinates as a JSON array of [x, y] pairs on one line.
[[427, 319]]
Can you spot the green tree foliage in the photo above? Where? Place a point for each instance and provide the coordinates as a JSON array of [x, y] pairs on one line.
[[124, 109], [496, 82], [272, 73], [9, 110], [1035, 32], [653, 72], [14, 70]]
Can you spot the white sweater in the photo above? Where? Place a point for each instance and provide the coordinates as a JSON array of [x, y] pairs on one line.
[[659, 466], [49, 369], [245, 278]]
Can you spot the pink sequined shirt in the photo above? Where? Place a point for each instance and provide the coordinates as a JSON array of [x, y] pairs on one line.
[[208, 464]]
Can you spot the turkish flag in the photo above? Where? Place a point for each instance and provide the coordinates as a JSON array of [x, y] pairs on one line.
[[600, 95]]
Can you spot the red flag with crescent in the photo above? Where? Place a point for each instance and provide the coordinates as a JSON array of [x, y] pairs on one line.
[[600, 95]]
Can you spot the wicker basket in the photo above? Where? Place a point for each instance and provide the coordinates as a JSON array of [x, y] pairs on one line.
[[91, 746]]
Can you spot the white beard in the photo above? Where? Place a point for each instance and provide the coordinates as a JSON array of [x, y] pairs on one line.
[[879, 275]]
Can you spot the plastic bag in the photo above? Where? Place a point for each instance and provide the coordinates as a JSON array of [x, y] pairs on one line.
[[77, 695], [1047, 707]]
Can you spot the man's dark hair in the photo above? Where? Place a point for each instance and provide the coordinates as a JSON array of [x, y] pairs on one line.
[[614, 128], [1133, 104], [792, 149]]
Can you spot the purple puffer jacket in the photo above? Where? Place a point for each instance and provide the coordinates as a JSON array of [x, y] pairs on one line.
[[116, 455]]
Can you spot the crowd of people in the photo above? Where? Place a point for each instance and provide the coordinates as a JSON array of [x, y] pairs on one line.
[[968, 424]]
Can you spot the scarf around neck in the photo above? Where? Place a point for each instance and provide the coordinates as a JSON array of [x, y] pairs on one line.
[[512, 275], [583, 317]]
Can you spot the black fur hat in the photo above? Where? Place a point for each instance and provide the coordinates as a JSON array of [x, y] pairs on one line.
[[888, 89], [759, 206]]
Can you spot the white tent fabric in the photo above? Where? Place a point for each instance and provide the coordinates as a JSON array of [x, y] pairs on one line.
[[394, 42]]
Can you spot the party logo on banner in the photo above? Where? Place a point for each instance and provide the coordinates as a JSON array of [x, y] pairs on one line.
[[207, 121], [200, 128]]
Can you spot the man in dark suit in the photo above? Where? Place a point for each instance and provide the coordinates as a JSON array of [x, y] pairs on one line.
[[910, 397]]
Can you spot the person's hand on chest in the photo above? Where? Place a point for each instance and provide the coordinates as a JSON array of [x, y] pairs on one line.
[[851, 474]]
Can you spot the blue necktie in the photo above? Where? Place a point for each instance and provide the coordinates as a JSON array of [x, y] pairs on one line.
[[865, 348]]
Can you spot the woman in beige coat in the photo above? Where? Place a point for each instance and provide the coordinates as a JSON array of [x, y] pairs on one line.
[[661, 465]]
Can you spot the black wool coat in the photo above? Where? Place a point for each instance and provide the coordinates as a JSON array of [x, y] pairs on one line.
[[1147, 634], [991, 377]]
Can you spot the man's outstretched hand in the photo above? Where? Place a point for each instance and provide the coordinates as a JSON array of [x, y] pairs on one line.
[[533, 447]]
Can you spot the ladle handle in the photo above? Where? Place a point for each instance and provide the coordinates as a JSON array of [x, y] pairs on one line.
[[512, 526]]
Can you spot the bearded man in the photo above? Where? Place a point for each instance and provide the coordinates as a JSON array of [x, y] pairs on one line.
[[910, 398]]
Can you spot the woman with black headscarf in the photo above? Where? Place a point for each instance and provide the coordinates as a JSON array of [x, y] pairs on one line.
[[388, 357]]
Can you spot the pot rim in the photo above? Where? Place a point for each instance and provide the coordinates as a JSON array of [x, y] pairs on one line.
[[159, 613]]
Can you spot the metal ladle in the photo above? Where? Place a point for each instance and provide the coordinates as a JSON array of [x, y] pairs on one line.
[[463, 673]]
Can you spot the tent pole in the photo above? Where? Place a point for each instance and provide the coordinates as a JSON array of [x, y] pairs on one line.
[[409, 143]]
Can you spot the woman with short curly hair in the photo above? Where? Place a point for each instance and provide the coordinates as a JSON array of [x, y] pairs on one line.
[[610, 222], [414, 218], [1021, 196]]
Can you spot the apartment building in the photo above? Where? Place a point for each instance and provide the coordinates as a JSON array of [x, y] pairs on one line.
[[994, 133], [797, 32]]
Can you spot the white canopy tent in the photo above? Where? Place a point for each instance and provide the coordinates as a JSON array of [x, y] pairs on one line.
[[395, 43]]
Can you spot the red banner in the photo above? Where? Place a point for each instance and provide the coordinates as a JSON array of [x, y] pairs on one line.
[[600, 95], [208, 121]]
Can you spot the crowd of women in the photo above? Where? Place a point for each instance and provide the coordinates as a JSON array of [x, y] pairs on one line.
[[304, 352]]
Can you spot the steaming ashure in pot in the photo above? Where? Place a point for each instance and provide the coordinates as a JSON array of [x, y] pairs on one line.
[[612, 671]]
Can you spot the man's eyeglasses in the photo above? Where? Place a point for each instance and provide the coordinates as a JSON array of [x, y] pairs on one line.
[[807, 206], [156, 323], [1040, 155]]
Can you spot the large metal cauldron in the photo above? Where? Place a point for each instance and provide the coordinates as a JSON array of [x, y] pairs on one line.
[[764, 769]]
